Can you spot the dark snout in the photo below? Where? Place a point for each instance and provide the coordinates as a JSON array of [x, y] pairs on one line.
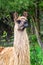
[[26, 24]]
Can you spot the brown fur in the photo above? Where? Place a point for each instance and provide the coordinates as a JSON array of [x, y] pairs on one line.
[[19, 54], [1, 48]]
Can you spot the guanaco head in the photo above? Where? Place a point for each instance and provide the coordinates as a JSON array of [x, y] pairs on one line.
[[21, 22]]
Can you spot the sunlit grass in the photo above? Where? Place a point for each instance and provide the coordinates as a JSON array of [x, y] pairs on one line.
[[36, 54]]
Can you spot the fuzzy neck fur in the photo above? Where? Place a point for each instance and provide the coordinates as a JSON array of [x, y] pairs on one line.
[[21, 45], [20, 37]]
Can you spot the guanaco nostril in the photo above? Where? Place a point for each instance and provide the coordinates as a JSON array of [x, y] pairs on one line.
[[26, 24]]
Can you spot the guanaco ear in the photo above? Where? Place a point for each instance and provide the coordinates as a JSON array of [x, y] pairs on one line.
[[15, 16], [25, 14]]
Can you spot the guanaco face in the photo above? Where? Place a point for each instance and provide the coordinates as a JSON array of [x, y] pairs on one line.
[[21, 22]]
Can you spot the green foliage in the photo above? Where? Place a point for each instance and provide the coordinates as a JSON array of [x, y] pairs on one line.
[[4, 34], [33, 38], [36, 55], [41, 4], [17, 5]]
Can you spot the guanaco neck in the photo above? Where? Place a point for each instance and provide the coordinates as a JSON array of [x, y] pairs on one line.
[[20, 37]]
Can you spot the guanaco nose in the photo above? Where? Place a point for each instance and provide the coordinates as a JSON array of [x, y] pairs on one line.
[[25, 24]]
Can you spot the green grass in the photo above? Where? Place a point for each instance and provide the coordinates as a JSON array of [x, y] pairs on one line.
[[36, 54]]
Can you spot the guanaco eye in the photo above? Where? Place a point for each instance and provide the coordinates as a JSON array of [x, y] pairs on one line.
[[18, 21]]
